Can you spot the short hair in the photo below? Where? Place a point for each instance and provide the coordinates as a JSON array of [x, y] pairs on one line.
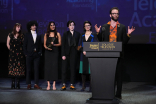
[[85, 23], [31, 23], [113, 9], [69, 22]]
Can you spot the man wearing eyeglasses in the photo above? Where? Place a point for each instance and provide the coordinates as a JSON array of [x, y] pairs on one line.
[[113, 31]]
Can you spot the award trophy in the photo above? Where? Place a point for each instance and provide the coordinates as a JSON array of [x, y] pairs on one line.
[[51, 45]]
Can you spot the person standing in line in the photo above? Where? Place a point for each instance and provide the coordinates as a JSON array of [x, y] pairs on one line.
[[16, 64], [88, 36], [33, 50], [70, 41], [52, 40]]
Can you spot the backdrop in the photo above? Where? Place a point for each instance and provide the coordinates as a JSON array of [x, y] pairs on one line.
[[139, 13]]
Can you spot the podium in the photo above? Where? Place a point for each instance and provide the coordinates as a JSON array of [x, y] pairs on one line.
[[103, 57]]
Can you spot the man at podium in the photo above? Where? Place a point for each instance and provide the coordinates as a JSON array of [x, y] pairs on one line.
[[113, 31]]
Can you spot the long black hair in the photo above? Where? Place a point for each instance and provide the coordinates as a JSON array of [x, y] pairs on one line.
[[49, 30]]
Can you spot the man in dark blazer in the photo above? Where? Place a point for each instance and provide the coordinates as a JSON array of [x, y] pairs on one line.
[[33, 50], [70, 41], [113, 31]]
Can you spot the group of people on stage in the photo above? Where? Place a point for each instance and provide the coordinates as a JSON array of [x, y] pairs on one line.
[[29, 46]]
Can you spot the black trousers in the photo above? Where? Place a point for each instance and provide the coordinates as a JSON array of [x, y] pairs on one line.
[[32, 60], [71, 60], [118, 76]]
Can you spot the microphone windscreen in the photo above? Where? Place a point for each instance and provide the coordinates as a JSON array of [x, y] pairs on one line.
[[103, 29]]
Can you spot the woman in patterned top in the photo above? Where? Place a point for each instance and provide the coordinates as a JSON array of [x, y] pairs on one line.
[[16, 62]]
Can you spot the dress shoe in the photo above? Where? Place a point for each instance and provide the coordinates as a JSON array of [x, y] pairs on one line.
[[37, 87], [63, 88], [29, 86], [72, 87]]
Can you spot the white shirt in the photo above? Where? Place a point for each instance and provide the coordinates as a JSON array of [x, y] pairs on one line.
[[34, 35]]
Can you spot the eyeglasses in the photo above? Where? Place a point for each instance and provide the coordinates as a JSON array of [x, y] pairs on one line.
[[115, 13], [87, 25], [52, 25]]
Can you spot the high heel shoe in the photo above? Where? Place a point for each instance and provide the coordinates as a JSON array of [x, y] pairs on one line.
[[54, 88], [48, 87]]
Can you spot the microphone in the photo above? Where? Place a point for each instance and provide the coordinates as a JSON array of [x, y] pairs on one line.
[[103, 30]]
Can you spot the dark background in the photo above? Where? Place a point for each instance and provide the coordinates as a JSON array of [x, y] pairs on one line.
[[139, 65]]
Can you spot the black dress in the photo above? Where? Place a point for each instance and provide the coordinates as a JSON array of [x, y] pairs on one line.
[[16, 57], [51, 61]]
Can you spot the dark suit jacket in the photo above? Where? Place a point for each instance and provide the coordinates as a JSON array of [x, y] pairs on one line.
[[29, 45], [66, 42], [121, 35]]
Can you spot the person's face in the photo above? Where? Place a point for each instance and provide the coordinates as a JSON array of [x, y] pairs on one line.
[[18, 28], [33, 27], [71, 26], [52, 26], [114, 15], [87, 26]]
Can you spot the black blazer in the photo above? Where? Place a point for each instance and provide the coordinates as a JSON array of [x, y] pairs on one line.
[[121, 35], [29, 45], [66, 42]]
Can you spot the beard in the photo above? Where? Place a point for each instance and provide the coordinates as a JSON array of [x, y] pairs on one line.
[[114, 19]]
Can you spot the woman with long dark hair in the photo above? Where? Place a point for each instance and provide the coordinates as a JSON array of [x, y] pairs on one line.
[[52, 39], [88, 36], [16, 57]]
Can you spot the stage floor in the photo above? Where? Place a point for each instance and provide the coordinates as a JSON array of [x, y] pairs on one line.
[[133, 93]]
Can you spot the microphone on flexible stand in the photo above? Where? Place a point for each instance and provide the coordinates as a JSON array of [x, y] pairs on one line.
[[103, 30]]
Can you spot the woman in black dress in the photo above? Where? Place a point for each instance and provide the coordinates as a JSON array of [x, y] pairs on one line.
[[16, 57], [52, 39], [88, 36]]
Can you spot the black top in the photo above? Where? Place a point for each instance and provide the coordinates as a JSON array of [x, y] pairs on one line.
[[72, 42], [29, 45], [68, 40]]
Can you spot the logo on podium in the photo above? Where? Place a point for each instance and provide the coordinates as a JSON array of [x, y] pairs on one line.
[[108, 46]]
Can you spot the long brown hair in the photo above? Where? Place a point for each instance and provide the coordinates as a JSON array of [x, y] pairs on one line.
[[14, 32], [48, 29]]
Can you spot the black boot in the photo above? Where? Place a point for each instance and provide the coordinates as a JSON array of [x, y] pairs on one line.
[[90, 87], [83, 82], [13, 83], [18, 83]]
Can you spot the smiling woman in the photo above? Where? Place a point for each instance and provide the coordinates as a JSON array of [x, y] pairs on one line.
[[52, 40]]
